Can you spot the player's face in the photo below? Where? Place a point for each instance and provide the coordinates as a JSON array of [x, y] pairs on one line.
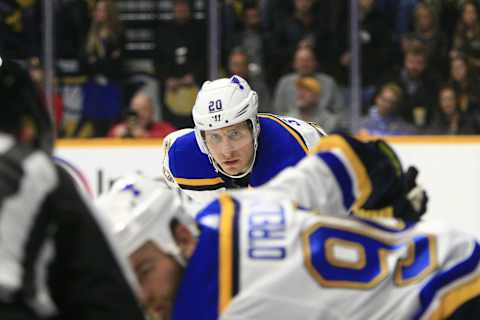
[[159, 276], [231, 147]]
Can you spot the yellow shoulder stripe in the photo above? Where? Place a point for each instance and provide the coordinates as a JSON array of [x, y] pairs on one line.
[[225, 267], [364, 184], [198, 182], [455, 297], [290, 130]]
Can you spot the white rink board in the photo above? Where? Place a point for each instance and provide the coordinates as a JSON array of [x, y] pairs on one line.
[[449, 171]]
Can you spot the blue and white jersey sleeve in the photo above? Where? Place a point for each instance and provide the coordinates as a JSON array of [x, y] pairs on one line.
[[309, 131], [332, 180]]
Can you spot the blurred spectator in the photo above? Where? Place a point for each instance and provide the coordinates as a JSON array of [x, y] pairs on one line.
[[240, 65], [102, 94], [466, 84], [180, 59], [19, 29], [419, 88], [274, 12], [383, 117], [72, 20], [449, 119], [139, 122], [426, 34], [467, 35], [104, 46], [37, 74], [309, 93], [301, 28], [305, 65], [252, 39], [375, 40]]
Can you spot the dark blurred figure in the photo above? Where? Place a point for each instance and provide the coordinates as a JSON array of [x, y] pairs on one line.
[[429, 36], [252, 39], [104, 43], [102, 94], [301, 28], [20, 35], [419, 87], [139, 121], [466, 39], [180, 60], [384, 116], [466, 84], [37, 74], [56, 260], [449, 119], [239, 64], [375, 40], [72, 21]]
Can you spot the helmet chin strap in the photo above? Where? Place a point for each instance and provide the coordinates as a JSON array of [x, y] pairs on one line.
[[218, 168]]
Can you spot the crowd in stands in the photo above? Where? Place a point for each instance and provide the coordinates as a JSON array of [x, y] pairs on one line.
[[132, 68]]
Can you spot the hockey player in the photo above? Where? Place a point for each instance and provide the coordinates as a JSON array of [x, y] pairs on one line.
[[56, 262], [258, 257], [232, 145]]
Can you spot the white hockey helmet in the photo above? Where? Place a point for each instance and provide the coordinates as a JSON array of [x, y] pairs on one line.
[[140, 209], [223, 103]]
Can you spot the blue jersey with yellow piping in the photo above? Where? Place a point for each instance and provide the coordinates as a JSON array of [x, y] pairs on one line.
[[282, 142], [261, 260]]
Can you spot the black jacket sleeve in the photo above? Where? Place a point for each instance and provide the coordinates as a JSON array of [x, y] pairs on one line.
[[86, 279]]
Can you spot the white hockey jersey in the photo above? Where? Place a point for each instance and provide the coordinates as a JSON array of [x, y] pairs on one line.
[[282, 142], [261, 259]]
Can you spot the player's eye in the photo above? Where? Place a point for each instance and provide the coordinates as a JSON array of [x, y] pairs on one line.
[[144, 270], [234, 135], [214, 138]]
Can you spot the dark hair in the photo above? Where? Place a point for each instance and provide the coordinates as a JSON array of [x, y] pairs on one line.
[[417, 51], [448, 86], [21, 101]]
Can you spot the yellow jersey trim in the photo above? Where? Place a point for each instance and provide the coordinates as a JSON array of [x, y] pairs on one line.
[[225, 267], [427, 139], [199, 182], [290, 130], [108, 143], [364, 185], [455, 297]]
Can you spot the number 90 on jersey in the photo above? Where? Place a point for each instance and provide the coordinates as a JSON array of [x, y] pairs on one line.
[[345, 257]]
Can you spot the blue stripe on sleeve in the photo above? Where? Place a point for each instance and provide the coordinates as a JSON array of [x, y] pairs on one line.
[[443, 279], [341, 175]]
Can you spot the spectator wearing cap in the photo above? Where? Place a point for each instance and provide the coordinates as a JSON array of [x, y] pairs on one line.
[[305, 65], [307, 108], [139, 121], [383, 117]]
